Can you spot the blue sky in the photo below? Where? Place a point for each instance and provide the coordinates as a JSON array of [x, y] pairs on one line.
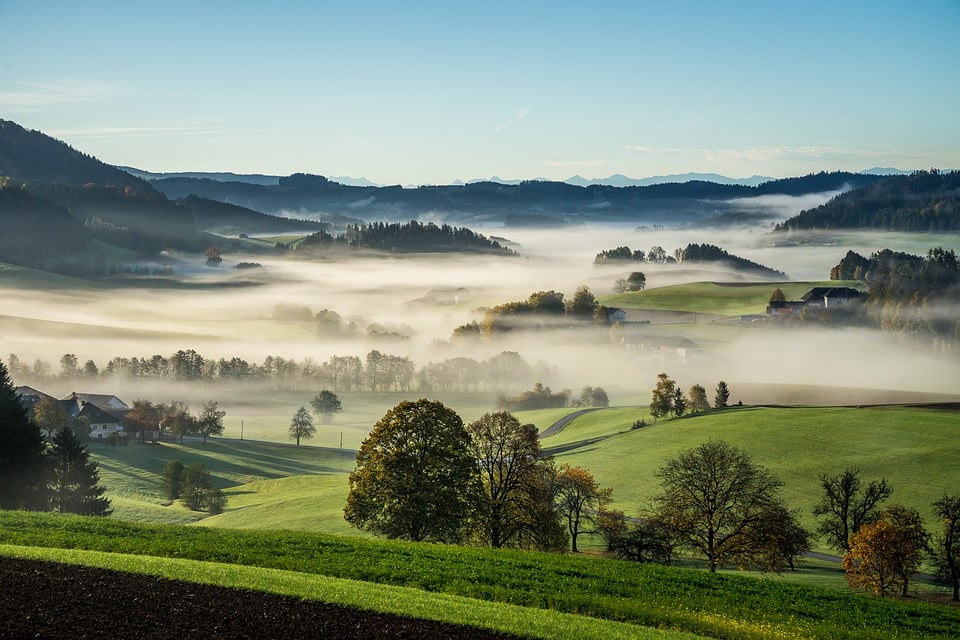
[[431, 92]]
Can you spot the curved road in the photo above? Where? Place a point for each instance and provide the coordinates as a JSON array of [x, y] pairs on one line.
[[558, 426]]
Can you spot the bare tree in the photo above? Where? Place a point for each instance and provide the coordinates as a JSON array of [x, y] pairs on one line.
[[846, 507]]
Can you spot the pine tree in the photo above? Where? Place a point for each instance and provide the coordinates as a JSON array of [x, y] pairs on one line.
[[22, 465], [723, 395], [74, 482]]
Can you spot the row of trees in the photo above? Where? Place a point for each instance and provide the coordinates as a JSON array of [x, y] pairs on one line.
[[422, 474], [668, 398], [413, 236], [693, 252], [38, 476], [909, 294], [377, 371]]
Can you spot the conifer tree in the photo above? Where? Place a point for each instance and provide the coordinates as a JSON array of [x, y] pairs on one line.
[[74, 478], [22, 465]]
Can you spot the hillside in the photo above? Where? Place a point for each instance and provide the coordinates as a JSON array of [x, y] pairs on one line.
[[32, 156], [36, 230], [922, 201]]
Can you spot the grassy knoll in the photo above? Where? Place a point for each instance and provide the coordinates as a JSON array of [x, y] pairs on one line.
[[915, 449], [132, 474], [302, 503], [671, 598], [712, 297]]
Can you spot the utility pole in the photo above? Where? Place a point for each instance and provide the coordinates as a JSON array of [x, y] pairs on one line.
[[241, 429]]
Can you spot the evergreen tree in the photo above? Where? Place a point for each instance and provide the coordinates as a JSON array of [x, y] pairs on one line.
[[679, 402], [74, 482], [22, 465], [723, 395]]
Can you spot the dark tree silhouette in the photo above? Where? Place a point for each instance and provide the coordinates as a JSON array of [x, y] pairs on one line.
[[74, 478]]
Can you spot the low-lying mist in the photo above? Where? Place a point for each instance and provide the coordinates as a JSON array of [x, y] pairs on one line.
[[410, 305]]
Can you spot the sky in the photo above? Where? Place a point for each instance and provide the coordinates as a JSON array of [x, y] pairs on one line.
[[434, 92]]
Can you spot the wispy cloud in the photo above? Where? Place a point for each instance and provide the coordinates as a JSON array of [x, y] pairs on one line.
[[518, 115], [129, 132], [31, 95]]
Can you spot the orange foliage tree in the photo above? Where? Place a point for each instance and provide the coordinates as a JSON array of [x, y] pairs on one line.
[[885, 553], [581, 501]]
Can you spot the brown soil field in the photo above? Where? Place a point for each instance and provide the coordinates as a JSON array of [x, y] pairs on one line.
[[59, 601]]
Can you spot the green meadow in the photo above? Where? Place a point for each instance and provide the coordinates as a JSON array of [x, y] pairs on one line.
[[280, 485], [915, 449], [535, 595]]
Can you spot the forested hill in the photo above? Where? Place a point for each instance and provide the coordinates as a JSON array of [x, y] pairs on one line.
[[667, 203], [411, 237], [32, 156], [922, 201]]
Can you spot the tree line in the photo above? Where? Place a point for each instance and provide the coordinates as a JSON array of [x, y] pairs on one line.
[[413, 236], [909, 294], [377, 371], [924, 201], [693, 252]]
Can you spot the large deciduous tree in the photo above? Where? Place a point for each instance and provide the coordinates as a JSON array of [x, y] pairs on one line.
[[715, 499], [210, 420], [144, 416], [301, 425], [50, 415], [698, 399], [198, 490], [847, 505], [581, 501], [662, 396], [413, 474], [884, 553], [325, 404], [946, 547], [512, 501], [74, 478], [22, 464], [636, 281], [177, 420], [583, 305]]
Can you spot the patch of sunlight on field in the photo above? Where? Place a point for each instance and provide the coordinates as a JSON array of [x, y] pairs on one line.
[[598, 424], [542, 418], [132, 474], [307, 503]]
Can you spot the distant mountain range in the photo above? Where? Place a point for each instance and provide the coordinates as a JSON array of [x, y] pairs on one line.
[[52, 193], [619, 180]]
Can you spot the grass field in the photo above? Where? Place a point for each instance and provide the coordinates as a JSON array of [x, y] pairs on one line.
[[713, 297], [915, 449], [269, 421], [273, 485], [643, 596]]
